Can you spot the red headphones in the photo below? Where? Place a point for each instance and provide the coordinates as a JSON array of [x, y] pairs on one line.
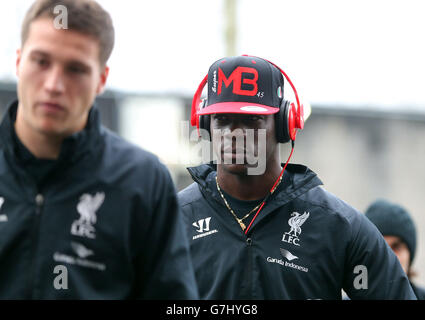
[[289, 119]]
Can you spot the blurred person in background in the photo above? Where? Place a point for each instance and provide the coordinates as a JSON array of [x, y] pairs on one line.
[[83, 213], [399, 231]]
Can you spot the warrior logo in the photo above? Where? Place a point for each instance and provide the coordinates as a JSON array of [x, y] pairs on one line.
[[203, 228], [87, 208], [200, 225], [295, 223]]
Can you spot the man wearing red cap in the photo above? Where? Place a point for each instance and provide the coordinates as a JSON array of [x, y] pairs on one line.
[[273, 232]]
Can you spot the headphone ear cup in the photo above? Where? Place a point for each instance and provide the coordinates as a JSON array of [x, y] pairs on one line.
[[281, 121], [204, 124], [292, 121]]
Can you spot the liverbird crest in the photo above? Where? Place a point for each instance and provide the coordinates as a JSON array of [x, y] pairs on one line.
[[296, 222], [88, 206]]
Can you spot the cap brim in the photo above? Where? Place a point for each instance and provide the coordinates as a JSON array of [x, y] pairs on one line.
[[238, 107]]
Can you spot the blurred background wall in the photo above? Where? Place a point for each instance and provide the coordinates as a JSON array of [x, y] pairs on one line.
[[359, 154]]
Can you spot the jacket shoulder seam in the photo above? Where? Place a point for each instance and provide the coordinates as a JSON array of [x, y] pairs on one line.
[[185, 203], [327, 208]]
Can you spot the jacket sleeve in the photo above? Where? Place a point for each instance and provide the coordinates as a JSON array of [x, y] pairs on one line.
[[163, 264], [372, 269]]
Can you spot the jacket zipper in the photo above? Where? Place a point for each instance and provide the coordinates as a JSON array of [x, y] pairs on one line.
[[39, 202], [248, 242]]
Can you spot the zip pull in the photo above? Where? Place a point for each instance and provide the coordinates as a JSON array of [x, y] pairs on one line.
[[39, 201]]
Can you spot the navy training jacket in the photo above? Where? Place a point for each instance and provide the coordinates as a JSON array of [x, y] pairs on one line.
[[305, 244], [104, 224]]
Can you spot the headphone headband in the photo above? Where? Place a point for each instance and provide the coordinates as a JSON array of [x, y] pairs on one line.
[[194, 119], [300, 111]]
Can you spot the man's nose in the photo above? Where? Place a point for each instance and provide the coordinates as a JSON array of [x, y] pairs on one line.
[[54, 82], [233, 135], [237, 125]]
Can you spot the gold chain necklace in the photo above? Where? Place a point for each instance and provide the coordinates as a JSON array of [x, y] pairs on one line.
[[240, 220]]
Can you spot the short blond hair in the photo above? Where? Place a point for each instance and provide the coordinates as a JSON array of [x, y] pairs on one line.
[[84, 16]]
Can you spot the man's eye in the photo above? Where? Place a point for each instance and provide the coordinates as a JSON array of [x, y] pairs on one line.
[[75, 69], [221, 118], [41, 62], [395, 246]]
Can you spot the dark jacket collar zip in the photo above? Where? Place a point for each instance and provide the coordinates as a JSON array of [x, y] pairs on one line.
[[74, 147]]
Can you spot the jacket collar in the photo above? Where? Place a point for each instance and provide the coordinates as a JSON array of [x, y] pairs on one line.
[[299, 176], [297, 180], [73, 147]]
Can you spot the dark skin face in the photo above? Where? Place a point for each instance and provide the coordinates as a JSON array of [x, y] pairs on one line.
[[234, 178]]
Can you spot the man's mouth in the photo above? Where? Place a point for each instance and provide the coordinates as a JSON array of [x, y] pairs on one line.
[[233, 156], [233, 151], [51, 106]]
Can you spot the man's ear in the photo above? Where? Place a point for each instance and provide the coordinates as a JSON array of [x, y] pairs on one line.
[[103, 77], [18, 61]]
